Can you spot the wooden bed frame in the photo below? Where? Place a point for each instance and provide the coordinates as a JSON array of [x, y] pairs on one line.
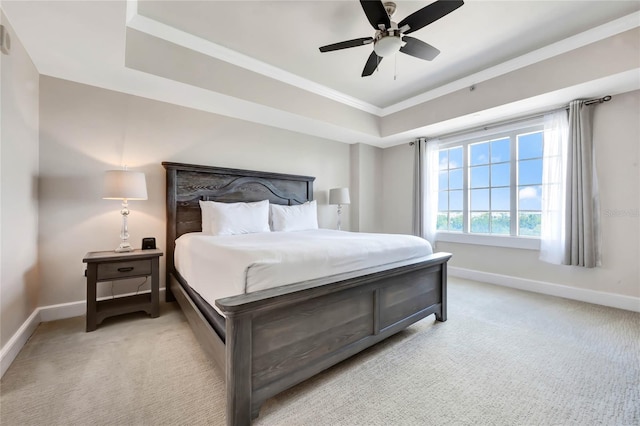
[[280, 337]]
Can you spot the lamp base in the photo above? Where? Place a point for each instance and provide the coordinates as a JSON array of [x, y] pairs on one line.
[[123, 247]]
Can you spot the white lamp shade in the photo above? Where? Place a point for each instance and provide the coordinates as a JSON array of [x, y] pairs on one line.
[[124, 185], [339, 196]]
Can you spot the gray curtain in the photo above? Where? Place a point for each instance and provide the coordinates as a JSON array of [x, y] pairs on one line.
[[582, 244], [425, 190], [419, 177]]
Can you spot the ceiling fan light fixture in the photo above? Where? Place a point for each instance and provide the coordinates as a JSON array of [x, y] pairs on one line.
[[387, 46]]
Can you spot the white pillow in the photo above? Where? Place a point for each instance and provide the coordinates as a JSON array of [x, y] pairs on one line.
[[234, 218], [294, 218], [205, 210]]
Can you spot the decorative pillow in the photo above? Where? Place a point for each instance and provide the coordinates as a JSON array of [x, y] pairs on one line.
[[234, 218], [294, 218]]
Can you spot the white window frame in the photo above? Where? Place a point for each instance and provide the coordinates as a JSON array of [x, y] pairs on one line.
[[510, 130]]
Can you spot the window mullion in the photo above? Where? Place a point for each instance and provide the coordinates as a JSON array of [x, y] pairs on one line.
[[514, 185], [465, 189]]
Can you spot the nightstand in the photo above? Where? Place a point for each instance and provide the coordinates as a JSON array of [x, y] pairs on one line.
[[111, 266]]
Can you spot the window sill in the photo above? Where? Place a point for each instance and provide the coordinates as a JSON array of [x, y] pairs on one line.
[[490, 240]]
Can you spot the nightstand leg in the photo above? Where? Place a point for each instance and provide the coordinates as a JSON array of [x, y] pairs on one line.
[[92, 304], [155, 288]]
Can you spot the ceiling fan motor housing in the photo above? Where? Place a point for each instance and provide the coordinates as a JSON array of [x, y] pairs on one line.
[[388, 41]]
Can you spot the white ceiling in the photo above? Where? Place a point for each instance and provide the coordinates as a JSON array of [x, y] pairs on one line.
[[85, 41]]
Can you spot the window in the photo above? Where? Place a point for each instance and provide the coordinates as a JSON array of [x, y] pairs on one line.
[[492, 185]]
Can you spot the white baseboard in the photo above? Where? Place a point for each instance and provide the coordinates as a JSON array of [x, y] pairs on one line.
[[62, 311], [10, 351], [613, 300]]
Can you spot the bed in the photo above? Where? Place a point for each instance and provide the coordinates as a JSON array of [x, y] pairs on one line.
[[270, 340]]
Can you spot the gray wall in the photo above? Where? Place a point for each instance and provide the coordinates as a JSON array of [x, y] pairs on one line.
[[397, 171], [18, 188], [85, 130], [616, 128], [366, 188]]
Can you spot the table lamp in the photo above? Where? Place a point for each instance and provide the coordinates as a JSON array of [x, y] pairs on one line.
[[339, 196], [124, 185]]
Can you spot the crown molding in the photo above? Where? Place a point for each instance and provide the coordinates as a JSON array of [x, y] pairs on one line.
[[206, 47]]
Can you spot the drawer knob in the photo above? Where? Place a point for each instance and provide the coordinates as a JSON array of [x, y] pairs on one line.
[[127, 269]]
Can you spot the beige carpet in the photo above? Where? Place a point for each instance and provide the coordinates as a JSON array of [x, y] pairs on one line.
[[504, 357]]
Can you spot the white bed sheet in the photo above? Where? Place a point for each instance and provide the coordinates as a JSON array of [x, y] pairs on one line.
[[228, 265]]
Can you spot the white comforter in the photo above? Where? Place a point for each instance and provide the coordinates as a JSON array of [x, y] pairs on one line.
[[222, 266]]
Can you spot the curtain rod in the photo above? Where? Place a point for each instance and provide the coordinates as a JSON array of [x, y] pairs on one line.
[[598, 100], [516, 120]]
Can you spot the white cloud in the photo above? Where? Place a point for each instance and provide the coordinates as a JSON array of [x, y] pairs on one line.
[[528, 192]]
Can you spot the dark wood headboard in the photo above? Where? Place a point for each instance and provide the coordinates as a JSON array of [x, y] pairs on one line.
[[188, 183]]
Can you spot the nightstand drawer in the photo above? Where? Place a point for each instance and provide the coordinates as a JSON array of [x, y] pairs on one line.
[[118, 270]]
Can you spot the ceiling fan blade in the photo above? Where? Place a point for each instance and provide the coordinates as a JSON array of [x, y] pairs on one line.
[[419, 49], [376, 13], [371, 65], [429, 14], [346, 44]]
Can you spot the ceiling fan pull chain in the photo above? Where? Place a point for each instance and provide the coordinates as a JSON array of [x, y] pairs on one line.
[[395, 67]]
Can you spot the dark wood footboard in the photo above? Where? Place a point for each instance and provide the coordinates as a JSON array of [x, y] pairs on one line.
[[280, 337]]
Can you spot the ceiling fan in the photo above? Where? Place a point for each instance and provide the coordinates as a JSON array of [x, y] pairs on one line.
[[390, 36]]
